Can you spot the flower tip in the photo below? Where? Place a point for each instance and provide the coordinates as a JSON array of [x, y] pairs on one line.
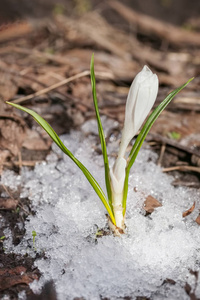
[[146, 68]]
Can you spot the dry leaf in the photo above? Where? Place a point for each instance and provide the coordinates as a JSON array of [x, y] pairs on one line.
[[8, 203], [11, 277], [198, 220], [12, 133], [34, 141], [188, 288], [150, 204], [8, 83], [189, 211]]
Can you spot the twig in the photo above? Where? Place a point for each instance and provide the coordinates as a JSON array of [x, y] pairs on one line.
[[52, 87], [20, 160], [186, 183], [61, 83], [159, 138], [188, 100], [162, 151], [182, 168], [27, 163]]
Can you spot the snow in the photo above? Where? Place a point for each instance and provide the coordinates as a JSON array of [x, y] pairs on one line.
[[156, 248]]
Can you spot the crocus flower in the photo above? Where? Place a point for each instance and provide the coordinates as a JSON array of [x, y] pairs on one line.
[[141, 97]]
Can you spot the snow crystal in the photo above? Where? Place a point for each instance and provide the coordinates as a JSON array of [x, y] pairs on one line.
[[22, 295], [153, 259]]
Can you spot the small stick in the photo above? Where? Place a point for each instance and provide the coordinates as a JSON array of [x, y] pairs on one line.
[[182, 168], [20, 160], [173, 143], [61, 83], [52, 87], [26, 163], [162, 151]]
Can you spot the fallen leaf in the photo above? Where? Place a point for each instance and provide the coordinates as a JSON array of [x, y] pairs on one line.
[[8, 203], [188, 288], [169, 281], [12, 277], [189, 211], [8, 83], [34, 141], [198, 220], [12, 133], [150, 204]]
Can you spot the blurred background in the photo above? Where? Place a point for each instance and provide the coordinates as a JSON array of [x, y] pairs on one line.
[[175, 11]]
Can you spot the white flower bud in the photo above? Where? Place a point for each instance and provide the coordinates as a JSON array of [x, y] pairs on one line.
[[141, 97]]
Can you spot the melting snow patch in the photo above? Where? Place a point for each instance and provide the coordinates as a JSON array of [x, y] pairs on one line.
[[153, 259]]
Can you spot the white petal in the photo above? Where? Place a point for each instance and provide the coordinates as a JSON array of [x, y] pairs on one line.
[[117, 175], [141, 97], [146, 97]]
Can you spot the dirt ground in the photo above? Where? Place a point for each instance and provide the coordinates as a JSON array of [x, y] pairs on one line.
[[45, 51]]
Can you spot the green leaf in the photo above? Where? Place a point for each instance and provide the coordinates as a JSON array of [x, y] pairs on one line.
[[174, 135], [60, 144], [101, 133], [143, 133]]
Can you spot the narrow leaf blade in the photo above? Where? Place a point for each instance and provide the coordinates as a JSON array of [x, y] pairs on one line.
[[101, 132], [60, 144]]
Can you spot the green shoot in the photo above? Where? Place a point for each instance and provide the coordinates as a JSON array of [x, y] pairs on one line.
[[60, 144], [34, 234], [174, 135], [101, 133]]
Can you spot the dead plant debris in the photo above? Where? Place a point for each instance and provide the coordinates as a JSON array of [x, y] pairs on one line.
[[150, 204], [189, 211], [12, 277]]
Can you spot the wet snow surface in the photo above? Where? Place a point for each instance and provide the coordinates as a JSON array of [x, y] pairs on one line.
[[69, 213]]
